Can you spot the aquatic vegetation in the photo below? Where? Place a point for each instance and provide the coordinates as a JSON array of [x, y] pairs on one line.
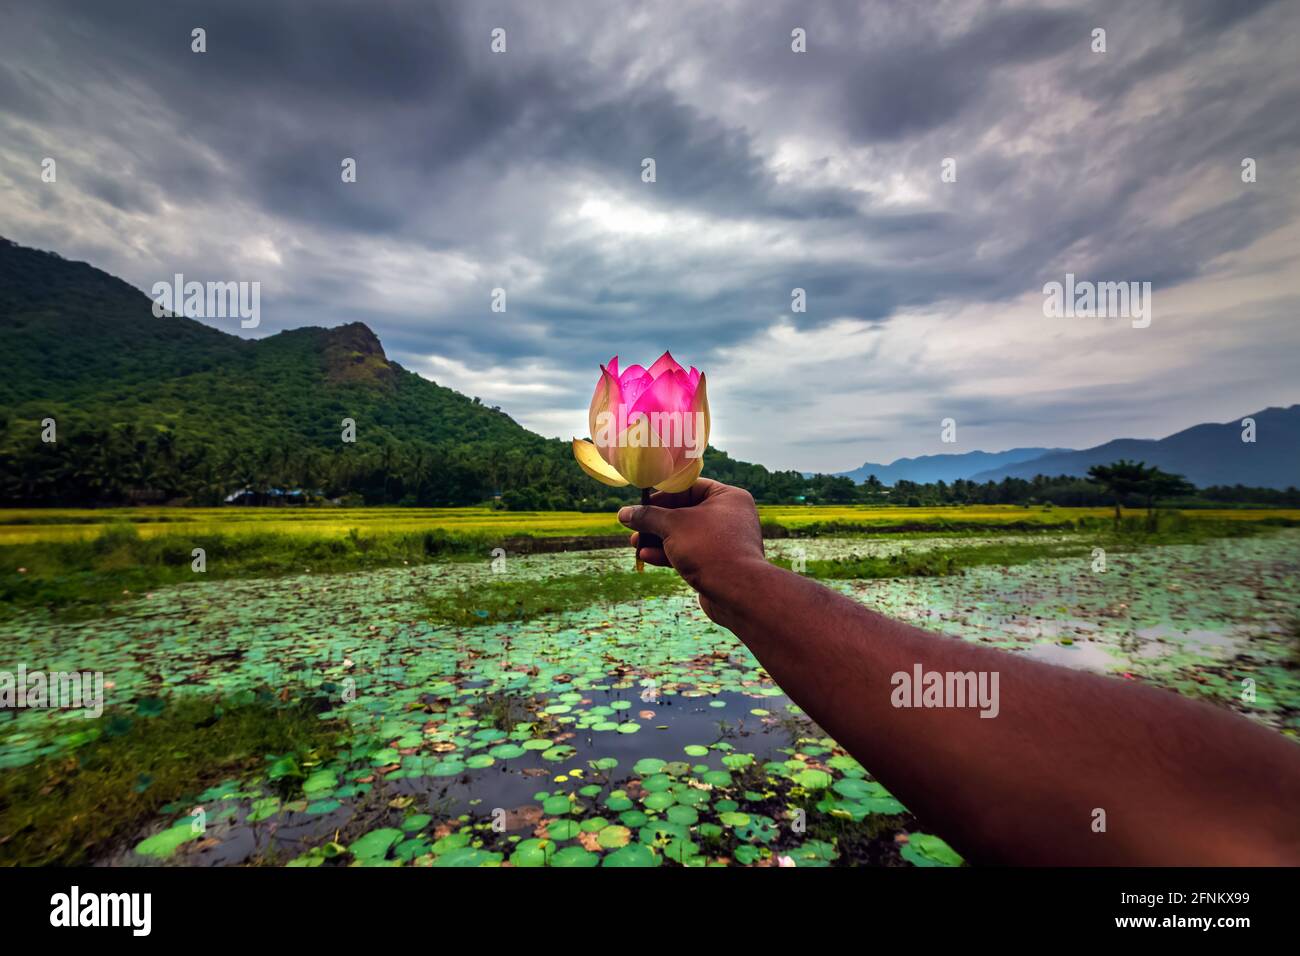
[[119, 772], [622, 731], [523, 599]]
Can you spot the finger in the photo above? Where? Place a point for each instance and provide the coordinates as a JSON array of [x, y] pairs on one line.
[[653, 556], [703, 488], [647, 518], [649, 555]]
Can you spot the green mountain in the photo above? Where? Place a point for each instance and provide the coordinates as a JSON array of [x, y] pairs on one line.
[[151, 410], [155, 409]]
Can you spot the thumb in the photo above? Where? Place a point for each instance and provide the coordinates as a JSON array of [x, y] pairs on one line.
[[648, 518]]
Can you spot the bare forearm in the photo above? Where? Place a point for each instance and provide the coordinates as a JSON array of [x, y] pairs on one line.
[[1177, 781]]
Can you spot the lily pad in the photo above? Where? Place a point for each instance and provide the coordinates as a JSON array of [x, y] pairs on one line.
[[376, 844], [164, 844], [632, 855], [925, 849]]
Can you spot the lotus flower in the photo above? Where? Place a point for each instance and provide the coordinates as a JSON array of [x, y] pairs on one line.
[[648, 426]]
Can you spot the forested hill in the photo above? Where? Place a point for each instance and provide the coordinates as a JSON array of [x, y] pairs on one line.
[[151, 408]]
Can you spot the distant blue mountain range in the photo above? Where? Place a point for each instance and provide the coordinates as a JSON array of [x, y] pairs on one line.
[[949, 468], [1206, 454]]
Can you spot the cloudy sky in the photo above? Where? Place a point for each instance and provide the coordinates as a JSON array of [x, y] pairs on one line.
[[775, 170]]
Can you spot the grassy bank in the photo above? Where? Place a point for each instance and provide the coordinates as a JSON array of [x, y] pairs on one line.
[[81, 576], [135, 552], [1132, 535]]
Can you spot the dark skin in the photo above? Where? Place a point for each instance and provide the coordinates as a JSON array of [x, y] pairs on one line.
[[1181, 782]]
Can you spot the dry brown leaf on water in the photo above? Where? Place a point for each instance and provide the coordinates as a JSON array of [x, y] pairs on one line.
[[520, 817], [542, 830]]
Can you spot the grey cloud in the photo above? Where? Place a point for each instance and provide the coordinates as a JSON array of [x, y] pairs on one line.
[[480, 156]]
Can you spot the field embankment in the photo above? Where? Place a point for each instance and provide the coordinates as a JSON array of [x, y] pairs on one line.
[[81, 562]]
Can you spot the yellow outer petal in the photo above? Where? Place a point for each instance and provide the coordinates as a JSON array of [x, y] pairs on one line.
[[701, 404], [643, 465], [684, 478], [589, 460], [600, 402]]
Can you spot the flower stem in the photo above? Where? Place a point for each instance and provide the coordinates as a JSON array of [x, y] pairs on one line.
[[645, 540]]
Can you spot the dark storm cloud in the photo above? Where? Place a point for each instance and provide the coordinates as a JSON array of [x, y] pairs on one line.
[[406, 90], [916, 85], [522, 170]]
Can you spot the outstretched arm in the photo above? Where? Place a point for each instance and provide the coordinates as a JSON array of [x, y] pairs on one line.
[[1181, 782]]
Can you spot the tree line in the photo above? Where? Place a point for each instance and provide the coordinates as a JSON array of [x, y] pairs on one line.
[[129, 464]]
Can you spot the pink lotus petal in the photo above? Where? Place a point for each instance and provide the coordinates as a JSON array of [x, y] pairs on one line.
[[633, 382], [611, 405], [668, 393], [665, 398], [607, 378], [665, 363]]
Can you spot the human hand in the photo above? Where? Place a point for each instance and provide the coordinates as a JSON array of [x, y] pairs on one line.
[[709, 531]]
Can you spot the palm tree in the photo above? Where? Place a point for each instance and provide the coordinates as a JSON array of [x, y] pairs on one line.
[[1120, 479]]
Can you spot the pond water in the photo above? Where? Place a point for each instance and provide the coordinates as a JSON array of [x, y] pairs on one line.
[[630, 734]]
